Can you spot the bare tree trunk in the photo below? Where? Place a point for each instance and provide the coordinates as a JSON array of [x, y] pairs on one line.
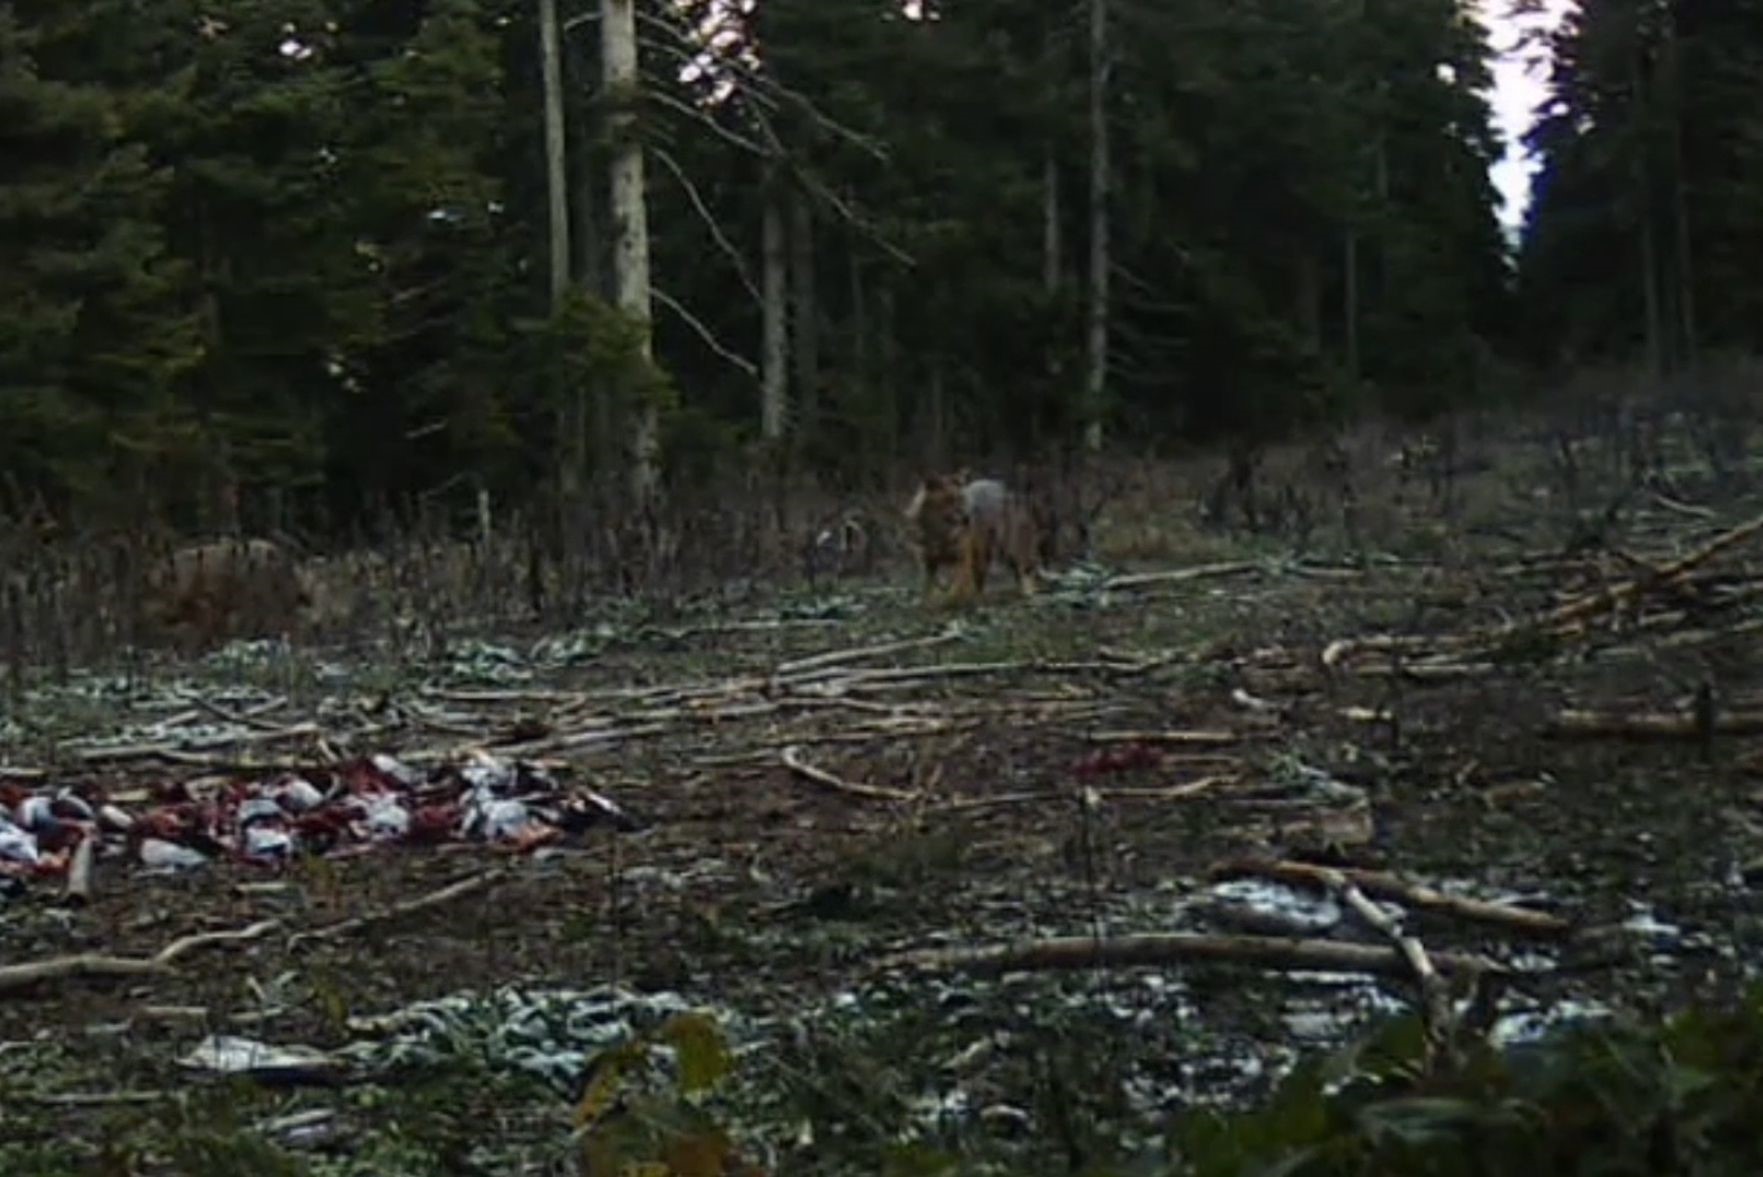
[[774, 390], [1307, 300], [860, 353], [1350, 312], [556, 162], [856, 389], [595, 415], [595, 418], [1650, 277], [887, 364], [587, 232], [1051, 247], [807, 313], [1686, 276], [1096, 377], [936, 414], [568, 520], [630, 222]]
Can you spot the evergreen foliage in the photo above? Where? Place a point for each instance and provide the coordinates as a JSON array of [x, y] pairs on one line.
[[292, 255]]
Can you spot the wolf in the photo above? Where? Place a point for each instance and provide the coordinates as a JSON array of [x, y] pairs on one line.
[[967, 522], [206, 592]]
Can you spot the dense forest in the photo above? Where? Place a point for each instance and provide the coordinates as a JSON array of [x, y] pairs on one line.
[[299, 261]]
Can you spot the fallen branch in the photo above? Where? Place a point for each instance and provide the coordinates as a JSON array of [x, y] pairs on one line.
[[184, 749], [553, 744], [1178, 575], [1169, 792], [1563, 619], [1693, 510], [97, 965], [91, 1099], [1577, 724], [15, 977], [1055, 796], [187, 944], [79, 869], [1191, 738], [860, 653], [1084, 952], [1341, 649], [792, 759], [1618, 594], [452, 891], [1383, 885], [1435, 999]]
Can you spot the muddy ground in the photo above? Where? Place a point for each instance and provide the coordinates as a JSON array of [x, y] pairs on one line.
[[1073, 766]]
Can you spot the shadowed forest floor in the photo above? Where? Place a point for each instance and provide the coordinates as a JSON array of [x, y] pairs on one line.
[[1071, 765]]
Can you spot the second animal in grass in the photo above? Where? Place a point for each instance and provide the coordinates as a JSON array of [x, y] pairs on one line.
[[966, 523]]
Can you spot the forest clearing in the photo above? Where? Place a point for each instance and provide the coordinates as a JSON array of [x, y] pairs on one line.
[[834, 803], [495, 674]]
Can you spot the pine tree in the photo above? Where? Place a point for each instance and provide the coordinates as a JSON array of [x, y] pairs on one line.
[[93, 347]]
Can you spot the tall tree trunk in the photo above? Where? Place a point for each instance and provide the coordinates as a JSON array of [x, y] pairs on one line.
[[1350, 309], [887, 365], [807, 314], [587, 233], [1096, 376], [630, 223], [1686, 275], [1307, 298], [1050, 243], [1052, 276], [556, 162], [774, 312], [1690, 351], [1649, 249], [857, 390], [936, 418], [588, 237], [1640, 176]]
